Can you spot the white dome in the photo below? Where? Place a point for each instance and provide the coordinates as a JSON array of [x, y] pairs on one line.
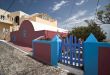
[[40, 26]]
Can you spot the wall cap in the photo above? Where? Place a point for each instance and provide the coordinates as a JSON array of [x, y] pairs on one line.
[[91, 38]]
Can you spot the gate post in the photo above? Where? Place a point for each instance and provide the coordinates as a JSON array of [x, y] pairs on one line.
[[55, 50], [91, 56]]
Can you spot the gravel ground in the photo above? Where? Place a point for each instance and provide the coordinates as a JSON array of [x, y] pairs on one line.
[[16, 62]]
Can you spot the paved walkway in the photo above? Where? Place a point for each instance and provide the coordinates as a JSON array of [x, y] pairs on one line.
[[27, 49], [73, 71]]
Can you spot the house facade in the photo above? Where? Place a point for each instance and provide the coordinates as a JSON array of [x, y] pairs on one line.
[[5, 25], [11, 21]]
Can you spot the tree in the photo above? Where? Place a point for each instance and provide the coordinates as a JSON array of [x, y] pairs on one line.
[[104, 15], [84, 32]]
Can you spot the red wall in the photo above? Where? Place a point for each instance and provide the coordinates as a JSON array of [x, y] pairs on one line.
[[42, 52], [104, 61], [30, 34]]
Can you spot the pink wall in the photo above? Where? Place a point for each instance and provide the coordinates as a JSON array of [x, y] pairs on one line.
[[42, 52]]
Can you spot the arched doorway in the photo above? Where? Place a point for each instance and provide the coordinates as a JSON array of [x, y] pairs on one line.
[[16, 20]]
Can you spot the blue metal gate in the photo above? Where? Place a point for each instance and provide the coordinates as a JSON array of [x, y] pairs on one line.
[[71, 51]]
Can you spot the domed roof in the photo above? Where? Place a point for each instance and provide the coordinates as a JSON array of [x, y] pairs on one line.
[[40, 26]]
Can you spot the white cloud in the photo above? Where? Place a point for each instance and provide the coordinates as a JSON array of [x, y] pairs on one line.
[[76, 16], [80, 3], [57, 6], [76, 20]]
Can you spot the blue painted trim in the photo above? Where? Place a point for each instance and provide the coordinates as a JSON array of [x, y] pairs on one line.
[[75, 48], [13, 38], [79, 52], [41, 41], [33, 50], [71, 53], [104, 44], [91, 58], [55, 47], [91, 38]]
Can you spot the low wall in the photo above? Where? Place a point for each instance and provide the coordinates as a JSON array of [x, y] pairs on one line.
[[47, 51], [42, 51], [96, 53], [51, 34], [17, 37]]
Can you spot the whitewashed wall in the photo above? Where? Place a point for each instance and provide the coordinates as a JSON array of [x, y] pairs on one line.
[[106, 28]]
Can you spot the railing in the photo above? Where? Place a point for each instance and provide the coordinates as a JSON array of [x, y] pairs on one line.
[[72, 51]]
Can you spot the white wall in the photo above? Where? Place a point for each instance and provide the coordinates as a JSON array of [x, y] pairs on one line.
[[106, 28]]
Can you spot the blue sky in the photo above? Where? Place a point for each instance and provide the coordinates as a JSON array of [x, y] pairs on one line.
[[69, 13]]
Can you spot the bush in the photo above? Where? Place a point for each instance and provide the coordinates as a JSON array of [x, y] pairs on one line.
[[84, 32]]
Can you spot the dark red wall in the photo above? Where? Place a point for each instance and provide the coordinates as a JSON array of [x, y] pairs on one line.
[[51, 34], [30, 34], [104, 61], [42, 52]]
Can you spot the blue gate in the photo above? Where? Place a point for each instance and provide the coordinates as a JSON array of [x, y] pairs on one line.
[[71, 51]]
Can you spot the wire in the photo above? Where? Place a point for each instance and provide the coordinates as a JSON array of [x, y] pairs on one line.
[[96, 10], [10, 6], [72, 4], [71, 8]]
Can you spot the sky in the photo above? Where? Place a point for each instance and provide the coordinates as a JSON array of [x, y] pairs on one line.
[[68, 13]]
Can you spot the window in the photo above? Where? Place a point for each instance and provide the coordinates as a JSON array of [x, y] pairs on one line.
[[12, 18], [24, 33], [16, 20], [4, 30], [2, 17], [8, 16], [13, 38]]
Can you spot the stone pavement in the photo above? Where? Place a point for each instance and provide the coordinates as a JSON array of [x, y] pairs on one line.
[[71, 70], [14, 61]]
